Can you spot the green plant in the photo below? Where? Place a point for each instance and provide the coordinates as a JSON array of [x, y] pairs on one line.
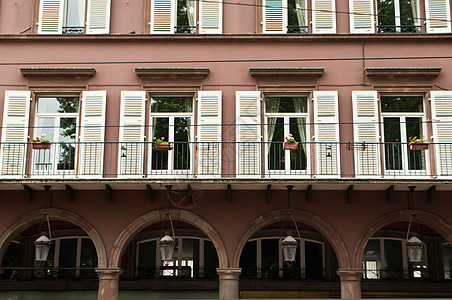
[[40, 139], [417, 139], [289, 139]]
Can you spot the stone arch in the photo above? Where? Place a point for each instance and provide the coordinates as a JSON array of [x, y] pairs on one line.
[[29, 219], [442, 226], [301, 216], [155, 216]]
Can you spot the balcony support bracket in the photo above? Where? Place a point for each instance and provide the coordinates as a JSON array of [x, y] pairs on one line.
[[431, 194], [149, 192], [70, 193], [229, 193], [389, 191], [109, 192], [28, 193], [269, 193], [189, 193], [349, 194], [309, 193]]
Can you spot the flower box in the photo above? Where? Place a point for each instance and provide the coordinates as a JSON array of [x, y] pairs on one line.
[[419, 146], [162, 147], [41, 145], [290, 146]]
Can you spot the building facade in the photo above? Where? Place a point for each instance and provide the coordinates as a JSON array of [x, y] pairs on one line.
[[108, 83]]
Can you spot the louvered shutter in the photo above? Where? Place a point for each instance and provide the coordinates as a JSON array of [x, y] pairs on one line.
[[442, 130], [248, 133], [209, 133], [275, 16], [362, 16], [365, 130], [131, 133], [323, 16], [163, 17], [211, 17], [15, 133], [326, 128], [438, 16], [98, 17], [92, 133], [50, 17]]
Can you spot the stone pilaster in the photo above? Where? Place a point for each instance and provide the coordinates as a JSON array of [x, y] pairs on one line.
[[350, 283], [229, 282], [108, 283]]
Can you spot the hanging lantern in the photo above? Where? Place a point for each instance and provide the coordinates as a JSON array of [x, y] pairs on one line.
[[167, 244], [289, 247], [414, 247], [42, 247]]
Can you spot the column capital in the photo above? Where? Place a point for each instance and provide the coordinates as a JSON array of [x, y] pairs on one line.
[[108, 273], [229, 273], [350, 274]]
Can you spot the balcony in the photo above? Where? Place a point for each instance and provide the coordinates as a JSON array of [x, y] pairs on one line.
[[210, 160]]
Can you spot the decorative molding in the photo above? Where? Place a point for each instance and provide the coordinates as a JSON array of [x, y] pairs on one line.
[[287, 72], [177, 81], [390, 73], [294, 79], [84, 73], [173, 73]]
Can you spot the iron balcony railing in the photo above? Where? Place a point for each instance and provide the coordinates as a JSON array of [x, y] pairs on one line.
[[414, 273], [225, 160]]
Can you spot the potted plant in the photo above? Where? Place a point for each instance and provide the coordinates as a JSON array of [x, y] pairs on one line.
[[418, 143], [40, 142], [161, 145], [290, 143]]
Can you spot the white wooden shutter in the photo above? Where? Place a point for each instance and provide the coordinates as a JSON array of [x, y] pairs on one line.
[[438, 16], [362, 16], [323, 16], [326, 128], [442, 130], [98, 17], [15, 133], [51, 17], [131, 133], [365, 130], [163, 16], [275, 16], [211, 17], [248, 133], [209, 133], [92, 133]]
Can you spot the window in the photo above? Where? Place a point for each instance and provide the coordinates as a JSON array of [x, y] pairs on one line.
[[398, 16], [387, 258], [56, 117], [171, 121], [291, 16], [287, 115], [447, 261], [68, 16], [403, 117], [263, 258], [179, 16], [192, 258]]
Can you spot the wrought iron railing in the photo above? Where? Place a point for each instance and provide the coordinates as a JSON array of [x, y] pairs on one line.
[[414, 273], [398, 29], [226, 160], [297, 29], [185, 29], [185, 272], [73, 30], [24, 273]]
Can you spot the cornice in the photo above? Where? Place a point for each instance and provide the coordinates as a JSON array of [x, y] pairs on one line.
[[162, 73], [403, 72], [58, 72]]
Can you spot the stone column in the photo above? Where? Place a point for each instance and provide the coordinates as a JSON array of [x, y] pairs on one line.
[[229, 282], [108, 283], [350, 283]]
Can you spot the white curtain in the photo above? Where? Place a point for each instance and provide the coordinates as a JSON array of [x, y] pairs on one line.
[[414, 12], [301, 12], [300, 106], [191, 9], [81, 12], [271, 106]]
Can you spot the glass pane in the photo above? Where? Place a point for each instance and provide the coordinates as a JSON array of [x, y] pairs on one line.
[[88, 259], [75, 13], [447, 260], [190, 258], [408, 11], [275, 132], [146, 259], [394, 259], [416, 158], [296, 13], [372, 259], [160, 129], [181, 146], [58, 105], [298, 159], [402, 104], [286, 105], [211, 260], [393, 148], [66, 159], [270, 258], [10, 259], [248, 260], [171, 104], [67, 259], [386, 16], [314, 260], [185, 16], [43, 158]]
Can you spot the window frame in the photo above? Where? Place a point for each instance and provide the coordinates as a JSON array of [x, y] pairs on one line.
[[397, 17]]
